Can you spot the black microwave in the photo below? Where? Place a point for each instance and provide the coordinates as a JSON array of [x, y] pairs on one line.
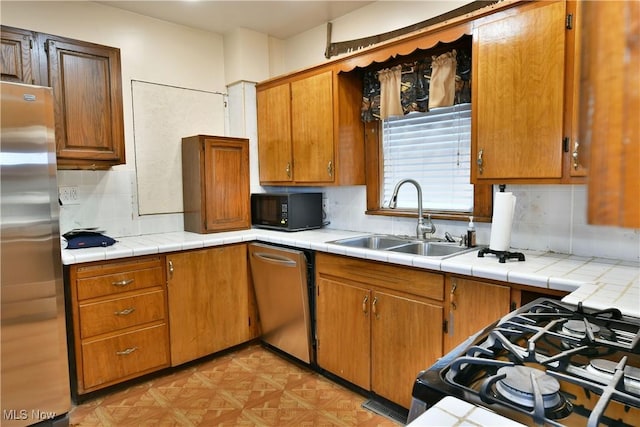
[[286, 211]]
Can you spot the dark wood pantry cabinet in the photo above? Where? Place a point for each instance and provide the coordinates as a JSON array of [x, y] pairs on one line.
[[87, 89], [215, 183]]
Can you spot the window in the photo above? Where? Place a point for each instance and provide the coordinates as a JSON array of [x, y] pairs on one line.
[[434, 149]]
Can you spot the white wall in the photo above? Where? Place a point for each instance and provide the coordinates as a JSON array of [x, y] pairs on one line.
[[246, 56]]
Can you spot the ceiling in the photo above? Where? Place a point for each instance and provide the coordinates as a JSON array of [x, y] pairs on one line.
[[280, 19]]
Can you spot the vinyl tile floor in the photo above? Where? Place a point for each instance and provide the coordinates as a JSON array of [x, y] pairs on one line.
[[251, 386]]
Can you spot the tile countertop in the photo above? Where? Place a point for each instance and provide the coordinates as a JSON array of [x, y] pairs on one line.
[[596, 282], [451, 411]]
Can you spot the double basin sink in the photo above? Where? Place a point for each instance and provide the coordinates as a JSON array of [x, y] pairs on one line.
[[407, 245]]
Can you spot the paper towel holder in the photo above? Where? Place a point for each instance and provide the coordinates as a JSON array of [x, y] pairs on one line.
[[502, 255]]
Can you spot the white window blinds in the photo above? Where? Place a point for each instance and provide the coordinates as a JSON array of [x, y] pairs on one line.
[[434, 148]]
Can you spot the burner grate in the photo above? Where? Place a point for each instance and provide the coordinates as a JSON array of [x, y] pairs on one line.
[[548, 343]]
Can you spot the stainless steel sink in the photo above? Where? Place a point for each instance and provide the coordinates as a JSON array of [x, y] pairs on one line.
[[383, 242], [430, 249], [375, 241]]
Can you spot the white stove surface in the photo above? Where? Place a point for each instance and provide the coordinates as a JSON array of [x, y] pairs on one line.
[[451, 411]]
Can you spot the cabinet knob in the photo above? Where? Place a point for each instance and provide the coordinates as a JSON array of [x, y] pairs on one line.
[[480, 161], [364, 304], [374, 308], [288, 170], [330, 168], [170, 268]]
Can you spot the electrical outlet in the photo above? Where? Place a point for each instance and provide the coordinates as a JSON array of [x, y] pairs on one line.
[[69, 195], [325, 205]]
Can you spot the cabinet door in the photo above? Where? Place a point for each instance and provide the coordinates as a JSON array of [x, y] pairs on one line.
[[473, 305], [208, 301], [312, 128], [226, 184], [274, 134], [518, 94], [576, 152], [343, 331], [610, 90], [87, 88], [17, 61], [406, 338]]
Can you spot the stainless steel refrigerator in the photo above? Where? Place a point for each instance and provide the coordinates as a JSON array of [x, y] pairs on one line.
[[34, 365]]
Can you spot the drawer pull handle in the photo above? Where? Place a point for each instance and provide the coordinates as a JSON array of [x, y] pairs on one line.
[[124, 312], [122, 282], [126, 351]]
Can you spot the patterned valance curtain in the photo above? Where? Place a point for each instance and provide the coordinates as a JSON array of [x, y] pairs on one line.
[[423, 84]]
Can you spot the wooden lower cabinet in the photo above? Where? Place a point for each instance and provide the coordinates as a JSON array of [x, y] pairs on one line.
[[372, 329], [119, 320], [406, 338], [471, 306], [124, 355], [209, 301], [343, 330]]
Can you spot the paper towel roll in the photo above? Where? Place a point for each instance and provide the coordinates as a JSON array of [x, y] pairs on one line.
[[504, 205]]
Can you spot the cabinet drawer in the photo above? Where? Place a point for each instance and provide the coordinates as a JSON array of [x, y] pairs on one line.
[[97, 286], [124, 356], [403, 279], [112, 315]]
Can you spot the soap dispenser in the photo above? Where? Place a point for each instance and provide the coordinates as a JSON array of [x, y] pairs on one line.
[[471, 233]]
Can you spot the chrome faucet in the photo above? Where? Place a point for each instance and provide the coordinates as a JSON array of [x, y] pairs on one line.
[[422, 228]]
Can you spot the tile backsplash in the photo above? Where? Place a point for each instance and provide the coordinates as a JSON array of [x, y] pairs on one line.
[[547, 218], [108, 200]]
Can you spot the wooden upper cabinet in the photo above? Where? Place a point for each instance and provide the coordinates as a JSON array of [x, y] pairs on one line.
[[312, 127], [576, 153], [87, 89], [309, 129], [87, 92], [518, 94], [610, 107], [18, 56], [215, 183], [275, 157]]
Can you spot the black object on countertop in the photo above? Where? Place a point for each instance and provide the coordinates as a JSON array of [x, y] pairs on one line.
[[502, 255]]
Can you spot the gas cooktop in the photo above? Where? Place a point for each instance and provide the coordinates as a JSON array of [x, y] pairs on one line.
[[547, 363]]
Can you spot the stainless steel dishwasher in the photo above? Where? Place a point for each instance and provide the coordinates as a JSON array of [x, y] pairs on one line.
[[284, 294]]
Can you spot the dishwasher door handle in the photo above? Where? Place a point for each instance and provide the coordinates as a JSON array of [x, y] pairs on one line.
[[276, 259]]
